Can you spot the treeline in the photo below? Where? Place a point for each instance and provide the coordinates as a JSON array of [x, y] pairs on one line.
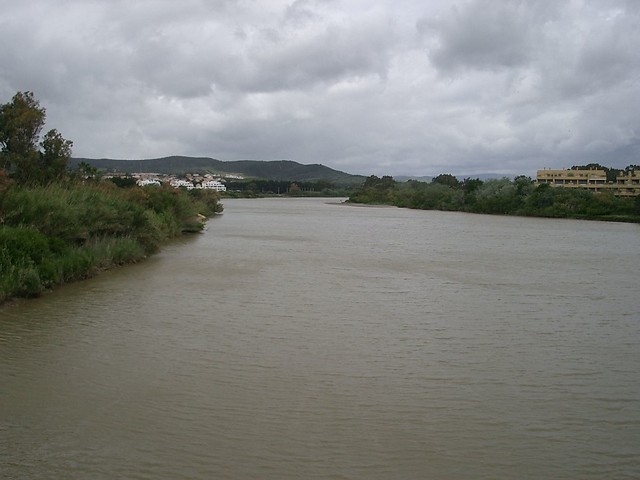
[[58, 226], [520, 196], [256, 188]]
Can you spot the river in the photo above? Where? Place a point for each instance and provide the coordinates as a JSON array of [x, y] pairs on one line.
[[301, 338]]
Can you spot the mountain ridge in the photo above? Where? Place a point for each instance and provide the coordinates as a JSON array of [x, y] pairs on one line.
[[282, 170]]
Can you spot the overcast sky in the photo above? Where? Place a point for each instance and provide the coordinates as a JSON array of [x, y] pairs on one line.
[[385, 87]]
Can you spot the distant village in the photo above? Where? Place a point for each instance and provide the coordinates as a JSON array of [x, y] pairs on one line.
[[189, 181]]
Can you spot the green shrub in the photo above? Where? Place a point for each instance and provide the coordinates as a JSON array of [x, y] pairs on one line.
[[69, 231], [26, 264], [27, 283]]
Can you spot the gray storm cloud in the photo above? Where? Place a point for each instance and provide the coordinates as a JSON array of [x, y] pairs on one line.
[[402, 87]]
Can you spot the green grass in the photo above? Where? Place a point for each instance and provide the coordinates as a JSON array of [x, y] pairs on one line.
[[69, 231]]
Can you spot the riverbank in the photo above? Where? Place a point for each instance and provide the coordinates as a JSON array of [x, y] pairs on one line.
[[518, 197], [70, 231]]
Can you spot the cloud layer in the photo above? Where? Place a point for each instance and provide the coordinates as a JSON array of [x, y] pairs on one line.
[[369, 87]]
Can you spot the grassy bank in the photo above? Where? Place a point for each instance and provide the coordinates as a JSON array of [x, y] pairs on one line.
[[71, 230]]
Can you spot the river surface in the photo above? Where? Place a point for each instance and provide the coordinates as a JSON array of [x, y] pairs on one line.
[[301, 339]]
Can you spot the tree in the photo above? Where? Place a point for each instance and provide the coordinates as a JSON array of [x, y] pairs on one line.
[[376, 190], [123, 182], [446, 179], [497, 196], [87, 171], [294, 189], [21, 122], [384, 183], [55, 155], [524, 185], [469, 185], [540, 198]]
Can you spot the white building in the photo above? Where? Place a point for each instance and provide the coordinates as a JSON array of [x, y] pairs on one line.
[[177, 183], [148, 181], [213, 185]]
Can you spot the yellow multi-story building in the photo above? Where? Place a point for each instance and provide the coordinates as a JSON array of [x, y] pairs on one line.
[[595, 180], [628, 185]]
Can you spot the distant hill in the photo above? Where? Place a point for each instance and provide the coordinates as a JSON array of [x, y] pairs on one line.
[[404, 178], [269, 170], [481, 176]]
